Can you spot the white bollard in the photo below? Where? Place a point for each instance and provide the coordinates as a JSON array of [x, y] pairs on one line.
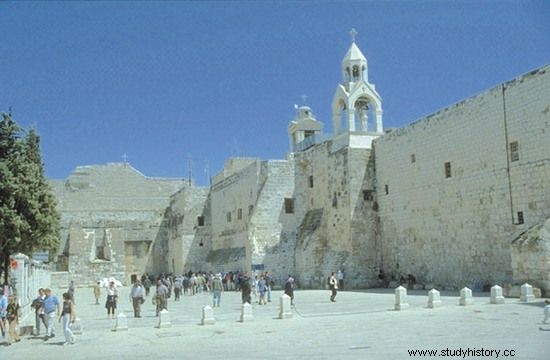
[[496, 295], [246, 312], [466, 297], [527, 293], [164, 319], [121, 323], [285, 310], [208, 316], [401, 298], [434, 299]]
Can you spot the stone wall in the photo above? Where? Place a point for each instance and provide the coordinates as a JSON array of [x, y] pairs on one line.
[[112, 222], [531, 257], [450, 192], [336, 220]]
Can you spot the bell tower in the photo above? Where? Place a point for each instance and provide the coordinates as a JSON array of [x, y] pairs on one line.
[[356, 101]]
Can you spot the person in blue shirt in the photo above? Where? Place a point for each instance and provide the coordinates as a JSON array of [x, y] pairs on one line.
[[52, 309], [3, 311]]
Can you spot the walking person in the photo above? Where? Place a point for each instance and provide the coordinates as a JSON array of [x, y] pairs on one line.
[[217, 290], [246, 289], [97, 292], [333, 286], [112, 299], [137, 297], [3, 312], [37, 305], [13, 313], [52, 307], [68, 315], [161, 297], [289, 289], [147, 284]]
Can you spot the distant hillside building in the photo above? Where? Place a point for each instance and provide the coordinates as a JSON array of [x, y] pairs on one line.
[[441, 200]]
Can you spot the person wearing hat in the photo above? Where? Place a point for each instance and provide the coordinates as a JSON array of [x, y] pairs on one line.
[[217, 290]]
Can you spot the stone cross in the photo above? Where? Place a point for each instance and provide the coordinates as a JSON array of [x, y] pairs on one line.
[[164, 319], [466, 297], [434, 299], [401, 298], [496, 295], [285, 311], [527, 293], [246, 312], [121, 323], [208, 316]]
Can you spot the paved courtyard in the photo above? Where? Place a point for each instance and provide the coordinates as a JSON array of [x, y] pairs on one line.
[[359, 325]]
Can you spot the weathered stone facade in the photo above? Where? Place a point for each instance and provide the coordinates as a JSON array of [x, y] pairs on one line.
[[112, 222], [441, 199], [454, 189]]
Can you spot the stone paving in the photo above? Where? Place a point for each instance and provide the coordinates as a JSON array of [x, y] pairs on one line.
[[359, 325]]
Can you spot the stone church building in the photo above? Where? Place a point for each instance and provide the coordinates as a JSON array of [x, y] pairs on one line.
[[459, 198]]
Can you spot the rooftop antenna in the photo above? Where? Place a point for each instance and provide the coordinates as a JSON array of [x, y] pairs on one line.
[[353, 33], [189, 168]]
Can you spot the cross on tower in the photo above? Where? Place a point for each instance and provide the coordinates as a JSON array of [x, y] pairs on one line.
[[353, 33], [304, 98], [125, 158]]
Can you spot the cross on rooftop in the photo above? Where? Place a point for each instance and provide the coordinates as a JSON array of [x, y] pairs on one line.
[[304, 98], [353, 33], [125, 158]]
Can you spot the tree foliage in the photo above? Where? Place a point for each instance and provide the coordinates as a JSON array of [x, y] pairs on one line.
[[28, 218]]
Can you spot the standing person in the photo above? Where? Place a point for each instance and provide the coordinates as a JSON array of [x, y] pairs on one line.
[[52, 307], [68, 315], [112, 298], [37, 305], [161, 297], [97, 292], [262, 289], [13, 314], [217, 290], [147, 284], [246, 290], [546, 311], [137, 297], [340, 277], [269, 282], [333, 286], [178, 283], [3, 310], [289, 289]]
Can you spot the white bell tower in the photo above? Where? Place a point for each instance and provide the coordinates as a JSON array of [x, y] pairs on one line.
[[356, 101], [304, 130]]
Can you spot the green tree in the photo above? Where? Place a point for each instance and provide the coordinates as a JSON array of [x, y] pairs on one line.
[[28, 217]]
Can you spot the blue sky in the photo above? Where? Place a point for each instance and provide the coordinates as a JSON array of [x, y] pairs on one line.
[[163, 82]]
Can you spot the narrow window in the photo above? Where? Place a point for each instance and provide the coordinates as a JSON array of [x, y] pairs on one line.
[[514, 151], [311, 181], [239, 214], [447, 169], [367, 195], [228, 216], [413, 158], [386, 189], [200, 220], [520, 217], [289, 205], [334, 200], [250, 209]]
